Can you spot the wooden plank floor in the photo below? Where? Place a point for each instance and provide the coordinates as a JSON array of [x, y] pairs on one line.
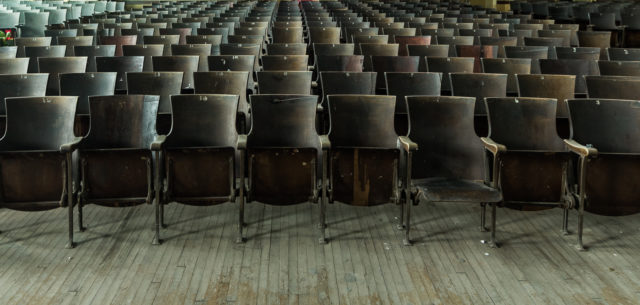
[[282, 263]]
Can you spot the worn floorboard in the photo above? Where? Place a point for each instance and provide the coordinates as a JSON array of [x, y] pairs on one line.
[[283, 263]]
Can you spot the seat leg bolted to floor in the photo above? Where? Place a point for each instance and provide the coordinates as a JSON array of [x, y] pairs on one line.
[[493, 243], [407, 220], [241, 224], [581, 199], [69, 182], [81, 226], [483, 217], [565, 222], [323, 202], [400, 225], [157, 201]]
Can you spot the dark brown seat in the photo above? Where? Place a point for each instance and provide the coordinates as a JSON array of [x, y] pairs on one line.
[[403, 84], [587, 53], [606, 137], [477, 52], [454, 41], [382, 64], [287, 49], [227, 82], [564, 34], [195, 162], [214, 40], [283, 135], [446, 65], [500, 42], [163, 84], [452, 168], [118, 41], [23, 42], [182, 63], [551, 42], [91, 52], [623, 54], [479, 85], [243, 49], [613, 87], [596, 39], [427, 51], [345, 63], [530, 162], [284, 82], [535, 53], [559, 87], [72, 42], [577, 67], [405, 41], [324, 35], [509, 66], [146, 50], [288, 35], [84, 85], [375, 49], [620, 68], [140, 32], [56, 65], [350, 33], [166, 40], [201, 50], [399, 32], [344, 49], [364, 160], [235, 63], [285, 62], [14, 65], [122, 65], [34, 52], [224, 32], [36, 152], [116, 162]]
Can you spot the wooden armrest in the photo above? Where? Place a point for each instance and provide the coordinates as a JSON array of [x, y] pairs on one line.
[[580, 149], [407, 144], [492, 146], [157, 144]]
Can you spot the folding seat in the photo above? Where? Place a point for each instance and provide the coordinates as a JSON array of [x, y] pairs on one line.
[[477, 52], [288, 35], [453, 168], [605, 137], [346, 82], [631, 23], [577, 67], [586, 53], [398, 32], [146, 50], [324, 35], [454, 41], [550, 42], [195, 162], [574, 28], [194, 26], [20, 85], [118, 41], [479, 85], [559, 87], [9, 19], [403, 84], [600, 40], [287, 24], [564, 34], [166, 40], [284, 136], [243, 49], [344, 63], [227, 82], [351, 33], [56, 65], [8, 52], [509, 66], [601, 21], [285, 62], [613, 87], [214, 40], [121, 65], [84, 85], [476, 34], [446, 65], [623, 54], [500, 43], [54, 34], [530, 162], [382, 64], [14, 65], [284, 82], [373, 39], [23, 42], [182, 63], [72, 42], [373, 49], [235, 63], [619, 68], [201, 50], [364, 159], [224, 32], [405, 41], [139, 32], [115, 158], [182, 34], [333, 49], [287, 49], [34, 24], [535, 53], [36, 152], [437, 33], [162, 84]]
